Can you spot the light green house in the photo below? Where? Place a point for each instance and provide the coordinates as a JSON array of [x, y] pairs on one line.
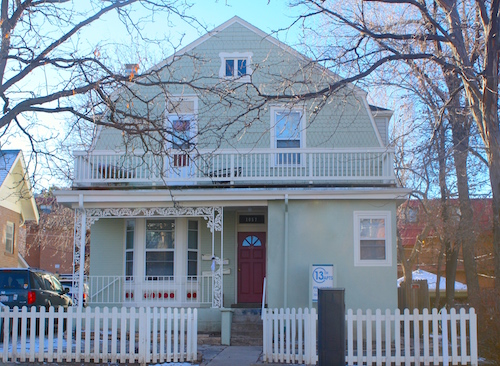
[[240, 184]]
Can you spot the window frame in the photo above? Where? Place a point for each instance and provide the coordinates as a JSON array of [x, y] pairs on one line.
[[12, 238], [192, 117], [197, 250], [165, 250], [274, 110], [236, 56], [360, 215], [129, 277]]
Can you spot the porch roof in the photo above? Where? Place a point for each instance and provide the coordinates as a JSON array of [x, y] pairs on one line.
[[220, 196]]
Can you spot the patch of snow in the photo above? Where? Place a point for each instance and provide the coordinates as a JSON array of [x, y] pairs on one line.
[[431, 278]]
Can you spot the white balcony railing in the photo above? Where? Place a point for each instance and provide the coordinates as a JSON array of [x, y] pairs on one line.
[[257, 166], [150, 291]]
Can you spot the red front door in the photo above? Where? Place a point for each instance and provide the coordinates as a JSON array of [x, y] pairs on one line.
[[251, 266]]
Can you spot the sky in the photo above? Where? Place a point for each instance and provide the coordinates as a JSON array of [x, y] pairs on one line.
[[267, 15]]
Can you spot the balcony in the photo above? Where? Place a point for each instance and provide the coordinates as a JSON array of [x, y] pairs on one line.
[[235, 167]]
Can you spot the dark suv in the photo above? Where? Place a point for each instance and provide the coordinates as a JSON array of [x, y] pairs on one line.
[[31, 287]]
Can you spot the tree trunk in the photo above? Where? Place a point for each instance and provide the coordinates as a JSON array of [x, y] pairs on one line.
[[450, 249], [465, 237]]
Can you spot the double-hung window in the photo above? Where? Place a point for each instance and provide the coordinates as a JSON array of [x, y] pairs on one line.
[[9, 237], [372, 238], [288, 130], [160, 245], [129, 249], [235, 66], [192, 249]]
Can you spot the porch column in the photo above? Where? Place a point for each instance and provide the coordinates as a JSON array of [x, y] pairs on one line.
[[81, 274], [216, 224], [79, 239]]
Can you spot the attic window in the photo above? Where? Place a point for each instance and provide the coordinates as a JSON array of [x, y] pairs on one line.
[[235, 66]]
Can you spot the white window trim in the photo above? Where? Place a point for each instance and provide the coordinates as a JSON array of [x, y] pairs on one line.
[[277, 109], [193, 117], [386, 215], [235, 55], [11, 251], [173, 250]]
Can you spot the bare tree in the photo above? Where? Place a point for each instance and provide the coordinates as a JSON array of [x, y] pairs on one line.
[[49, 65], [459, 37]]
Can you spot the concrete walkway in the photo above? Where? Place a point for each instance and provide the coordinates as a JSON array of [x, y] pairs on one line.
[[231, 356]]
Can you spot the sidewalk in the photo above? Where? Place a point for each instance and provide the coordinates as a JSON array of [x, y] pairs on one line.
[[231, 355]]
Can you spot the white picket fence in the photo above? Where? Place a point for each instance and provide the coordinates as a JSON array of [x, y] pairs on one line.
[[437, 338], [132, 335], [290, 335]]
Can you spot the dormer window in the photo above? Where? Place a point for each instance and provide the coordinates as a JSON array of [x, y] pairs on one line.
[[235, 66]]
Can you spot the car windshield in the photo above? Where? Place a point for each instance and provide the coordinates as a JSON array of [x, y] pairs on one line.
[[13, 280]]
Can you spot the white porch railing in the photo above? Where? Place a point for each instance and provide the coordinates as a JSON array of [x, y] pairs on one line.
[[150, 291], [373, 165], [382, 338], [143, 335]]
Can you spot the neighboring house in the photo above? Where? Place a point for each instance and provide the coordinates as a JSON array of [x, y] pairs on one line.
[[412, 219], [49, 243], [17, 205], [291, 186]]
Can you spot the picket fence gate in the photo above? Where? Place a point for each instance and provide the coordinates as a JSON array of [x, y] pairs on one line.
[[289, 335], [132, 335], [436, 338]]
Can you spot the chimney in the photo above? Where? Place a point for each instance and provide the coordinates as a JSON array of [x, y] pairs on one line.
[[131, 69]]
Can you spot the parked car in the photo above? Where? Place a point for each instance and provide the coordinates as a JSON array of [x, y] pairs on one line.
[[31, 287], [68, 284]]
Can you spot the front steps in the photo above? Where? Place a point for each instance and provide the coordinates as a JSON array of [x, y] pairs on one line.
[[246, 327]]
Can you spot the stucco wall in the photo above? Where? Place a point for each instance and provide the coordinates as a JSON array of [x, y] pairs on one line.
[[322, 232], [107, 247]]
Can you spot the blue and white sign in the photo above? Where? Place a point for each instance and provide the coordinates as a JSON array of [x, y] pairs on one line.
[[322, 277]]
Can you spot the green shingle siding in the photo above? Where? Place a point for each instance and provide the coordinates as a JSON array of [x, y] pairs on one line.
[[342, 122]]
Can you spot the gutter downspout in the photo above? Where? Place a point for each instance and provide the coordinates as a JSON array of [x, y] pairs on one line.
[[285, 275]]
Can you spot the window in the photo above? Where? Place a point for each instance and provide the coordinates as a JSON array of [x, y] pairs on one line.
[[182, 127], [9, 237], [160, 247], [192, 265], [129, 249], [235, 66], [239, 71], [46, 208], [372, 238], [287, 126], [411, 214]]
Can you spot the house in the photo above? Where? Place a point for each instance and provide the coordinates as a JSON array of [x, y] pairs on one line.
[[17, 205], [49, 242], [228, 201], [412, 219]]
